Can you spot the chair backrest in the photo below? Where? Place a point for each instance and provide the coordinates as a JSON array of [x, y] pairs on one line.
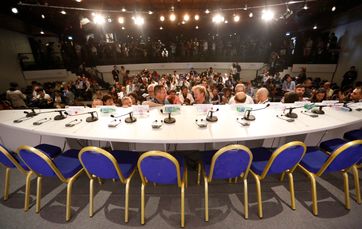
[[39, 162], [99, 162], [230, 161], [6, 158], [343, 157], [284, 158], [159, 167]]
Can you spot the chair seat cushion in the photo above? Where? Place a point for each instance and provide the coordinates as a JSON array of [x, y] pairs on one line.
[[353, 135], [127, 161], [261, 157], [50, 150], [314, 159], [68, 163], [332, 145]]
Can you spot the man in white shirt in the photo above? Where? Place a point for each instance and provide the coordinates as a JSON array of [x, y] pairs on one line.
[[241, 88], [186, 97], [261, 96]]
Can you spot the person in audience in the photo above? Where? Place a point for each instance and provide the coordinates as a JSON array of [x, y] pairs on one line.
[[42, 100], [329, 90], [186, 97], [160, 97], [261, 96], [15, 96], [134, 98], [227, 94], [115, 74], [126, 102], [288, 83], [291, 97], [200, 94], [58, 102], [97, 102], [241, 88], [172, 98], [349, 77], [356, 95], [302, 76], [308, 88], [215, 97], [240, 97], [150, 90], [108, 100], [68, 95], [319, 96], [300, 91]]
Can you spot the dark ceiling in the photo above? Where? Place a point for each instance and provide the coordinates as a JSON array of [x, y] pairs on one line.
[[30, 11]]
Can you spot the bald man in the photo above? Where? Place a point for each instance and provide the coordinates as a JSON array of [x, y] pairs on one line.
[[241, 88], [261, 96]]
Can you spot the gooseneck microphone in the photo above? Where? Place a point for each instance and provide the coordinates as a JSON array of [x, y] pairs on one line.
[[60, 116], [249, 117], [31, 114], [73, 123], [210, 116], [92, 118], [319, 111], [169, 119], [41, 121], [345, 105], [131, 118]]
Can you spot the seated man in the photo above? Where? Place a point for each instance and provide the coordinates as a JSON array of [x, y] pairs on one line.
[[261, 96], [241, 88], [356, 95], [126, 102], [97, 102], [240, 97], [185, 97], [107, 100], [291, 97], [200, 94], [159, 97]]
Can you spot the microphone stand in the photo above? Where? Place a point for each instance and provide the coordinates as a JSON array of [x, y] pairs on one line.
[[248, 116], [169, 119], [130, 119], [291, 114], [319, 111], [31, 114], [60, 116], [210, 117], [92, 118]]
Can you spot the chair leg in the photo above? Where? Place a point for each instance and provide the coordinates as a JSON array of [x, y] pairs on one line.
[[7, 181], [91, 197], [356, 184], [206, 199], [246, 201], [230, 180], [258, 190], [182, 204], [314, 193], [291, 187], [198, 172], [186, 177], [126, 201], [282, 177], [68, 214], [38, 194], [100, 182], [235, 180], [346, 190], [142, 204], [27, 191]]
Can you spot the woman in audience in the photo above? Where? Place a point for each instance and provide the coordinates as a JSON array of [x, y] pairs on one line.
[[319, 96], [288, 84], [226, 95]]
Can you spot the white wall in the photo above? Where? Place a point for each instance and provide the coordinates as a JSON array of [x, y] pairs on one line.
[[11, 43], [351, 48]]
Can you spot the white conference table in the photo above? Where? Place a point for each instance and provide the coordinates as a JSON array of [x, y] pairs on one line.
[[184, 131]]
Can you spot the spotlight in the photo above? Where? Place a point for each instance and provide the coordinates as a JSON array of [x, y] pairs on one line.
[[305, 7], [226, 22], [196, 27], [251, 14], [334, 8], [287, 34], [217, 19], [70, 38], [183, 22], [186, 17], [246, 7], [267, 15], [315, 27], [78, 0], [197, 17], [121, 20], [161, 28], [93, 14], [42, 32], [63, 12], [207, 11], [139, 20], [123, 9], [236, 18], [123, 28], [162, 18], [150, 12], [172, 17], [43, 16], [99, 19], [109, 20], [14, 10]]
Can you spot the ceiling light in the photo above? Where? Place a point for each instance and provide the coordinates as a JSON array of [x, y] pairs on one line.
[[197, 17], [334, 8], [251, 14], [123, 9], [315, 27], [162, 18], [186, 17], [196, 27], [123, 28], [14, 10], [305, 7], [236, 18], [43, 16], [70, 38], [267, 15], [150, 12], [109, 20], [161, 28], [121, 20], [287, 34], [138, 20], [226, 22], [63, 12], [78, 0], [183, 22], [246, 7], [207, 11], [42, 32], [99, 19], [217, 19], [172, 17]]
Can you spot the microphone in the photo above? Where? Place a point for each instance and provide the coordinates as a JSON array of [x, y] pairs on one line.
[[118, 116], [169, 119], [320, 110], [210, 116], [130, 119], [201, 123], [60, 116], [288, 120], [114, 123], [73, 123], [291, 114], [156, 124], [31, 114], [40, 121], [345, 104], [89, 119], [249, 117]]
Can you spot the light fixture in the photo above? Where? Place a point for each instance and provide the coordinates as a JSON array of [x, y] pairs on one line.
[[121, 20], [186, 17], [236, 18], [226, 22], [123, 28], [41, 32], [14, 10], [305, 7], [123, 9], [333, 8], [43, 16], [172, 17], [267, 15], [150, 12], [63, 12], [138, 20], [162, 18], [183, 22], [207, 11], [315, 27], [197, 17], [197, 27], [251, 14], [78, 0], [99, 19], [246, 7], [70, 38], [217, 19], [109, 20], [161, 28], [287, 34]]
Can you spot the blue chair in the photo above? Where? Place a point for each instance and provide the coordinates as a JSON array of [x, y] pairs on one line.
[[162, 168], [66, 167], [316, 163], [283, 160], [231, 161], [11, 161], [99, 163]]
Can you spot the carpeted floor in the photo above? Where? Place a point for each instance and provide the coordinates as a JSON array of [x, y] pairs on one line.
[[163, 205]]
